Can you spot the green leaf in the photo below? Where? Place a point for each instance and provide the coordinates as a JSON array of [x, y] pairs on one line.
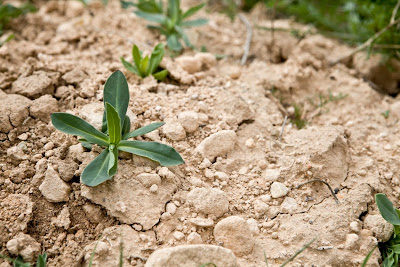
[[41, 260], [192, 10], [129, 66], [395, 248], [154, 17], [194, 23], [19, 262], [174, 10], [173, 43], [165, 155], [143, 130], [127, 125], [74, 125], [113, 162], [116, 92], [386, 209], [144, 66], [155, 58], [183, 35], [113, 124], [160, 76], [137, 57], [365, 261], [388, 262], [97, 171]]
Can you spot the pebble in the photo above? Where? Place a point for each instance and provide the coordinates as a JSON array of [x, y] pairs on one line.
[[43, 106], [382, 229], [53, 188], [189, 63], [24, 245], [154, 188], [202, 222], [265, 198], [217, 144], [253, 224], [194, 238], [351, 241], [171, 208], [208, 201], [149, 179], [355, 226], [179, 235], [272, 175], [189, 120], [174, 131], [34, 86], [289, 205], [250, 143], [234, 233], [221, 176], [278, 190]]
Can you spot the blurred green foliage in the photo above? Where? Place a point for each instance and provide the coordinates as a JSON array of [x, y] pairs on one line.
[[8, 12]]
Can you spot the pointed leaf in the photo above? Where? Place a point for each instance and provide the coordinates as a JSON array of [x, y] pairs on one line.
[[97, 171], [113, 162], [127, 125], [173, 10], [155, 58], [137, 57], [165, 155], [74, 125], [194, 23], [173, 43], [113, 124], [144, 66], [154, 17], [386, 209], [192, 10], [116, 92], [160, 76], [365, 261], [41, 260], [129, 66], [143, 130], [183, 35]]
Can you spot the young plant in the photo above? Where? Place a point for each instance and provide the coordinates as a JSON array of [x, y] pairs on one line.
[[114, 134], [171, 21], [390, 249], [19, 262], [147, 66]]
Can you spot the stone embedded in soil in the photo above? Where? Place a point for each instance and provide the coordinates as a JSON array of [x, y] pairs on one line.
[[234, 233], [201, 222], [14, 109], [15, 214], [24, 245], [149, 179], [194, 238], [289, 205], [217, 144], [17, 153], [278, 190], [67, 168], [43, 106], [208, 201], [382, 229], [351, 241], [93, 213], [62, 220], [38, 84], [189, 120], [108, 250], [189, 64], [140, 205], [192, 255], [53, 188], [174, 130], [74, 76]]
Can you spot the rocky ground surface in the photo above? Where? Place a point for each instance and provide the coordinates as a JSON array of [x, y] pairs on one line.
[[237, 197]]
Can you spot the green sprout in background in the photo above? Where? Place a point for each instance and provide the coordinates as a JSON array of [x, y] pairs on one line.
[[19, 262], [147, 66], [114, 134], [171, 21]]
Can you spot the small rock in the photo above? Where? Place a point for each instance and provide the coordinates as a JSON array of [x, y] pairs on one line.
[[93, 114], [25, 246], [171, 208], [189, 120], [218, 144], [189, 63], [235, 234], [351, 241], [43, 106], [202, 222], [179, 235], [272, 175], [221, 176], [174, 131], [194, 238], [14, 109], [53, 188], [149, 179], [250, 143], [278, 190], [153, 188], [382, 229], [209, 201], [62, 219], [74, 76], [289, 205], [66, 169], [355, 227], [93, 213], [17, 153], [253, 224], [207, 59], [34, 86], [260, 207], [192, 255]]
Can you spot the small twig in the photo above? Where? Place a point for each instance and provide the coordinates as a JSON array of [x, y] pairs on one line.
[[249, 35], [367, 43], [283, 128], [321, 181], [396, 8]]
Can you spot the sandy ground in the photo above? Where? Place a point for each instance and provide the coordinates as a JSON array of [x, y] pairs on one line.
[[237, 197]]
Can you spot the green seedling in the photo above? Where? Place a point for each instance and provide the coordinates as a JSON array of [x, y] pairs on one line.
[[8, 12], [19, 262], [172, 21], [114, 135], [298, 117], [147, 66], [390, 250], [386, 114]]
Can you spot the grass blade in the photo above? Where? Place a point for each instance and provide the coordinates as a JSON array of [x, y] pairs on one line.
[[298, 252], [161, 75], [93, 252], [154, 17], [113, 124], [364, 263], [116, 92], [74, 125], [143, 130], [155, 58], [97, 171], [129, 66], [165, 155], [192, 10], [194, 23], [386, 209], [137, 58]]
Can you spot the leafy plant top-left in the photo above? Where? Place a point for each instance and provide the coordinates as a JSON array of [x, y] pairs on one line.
[[114, 135]]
